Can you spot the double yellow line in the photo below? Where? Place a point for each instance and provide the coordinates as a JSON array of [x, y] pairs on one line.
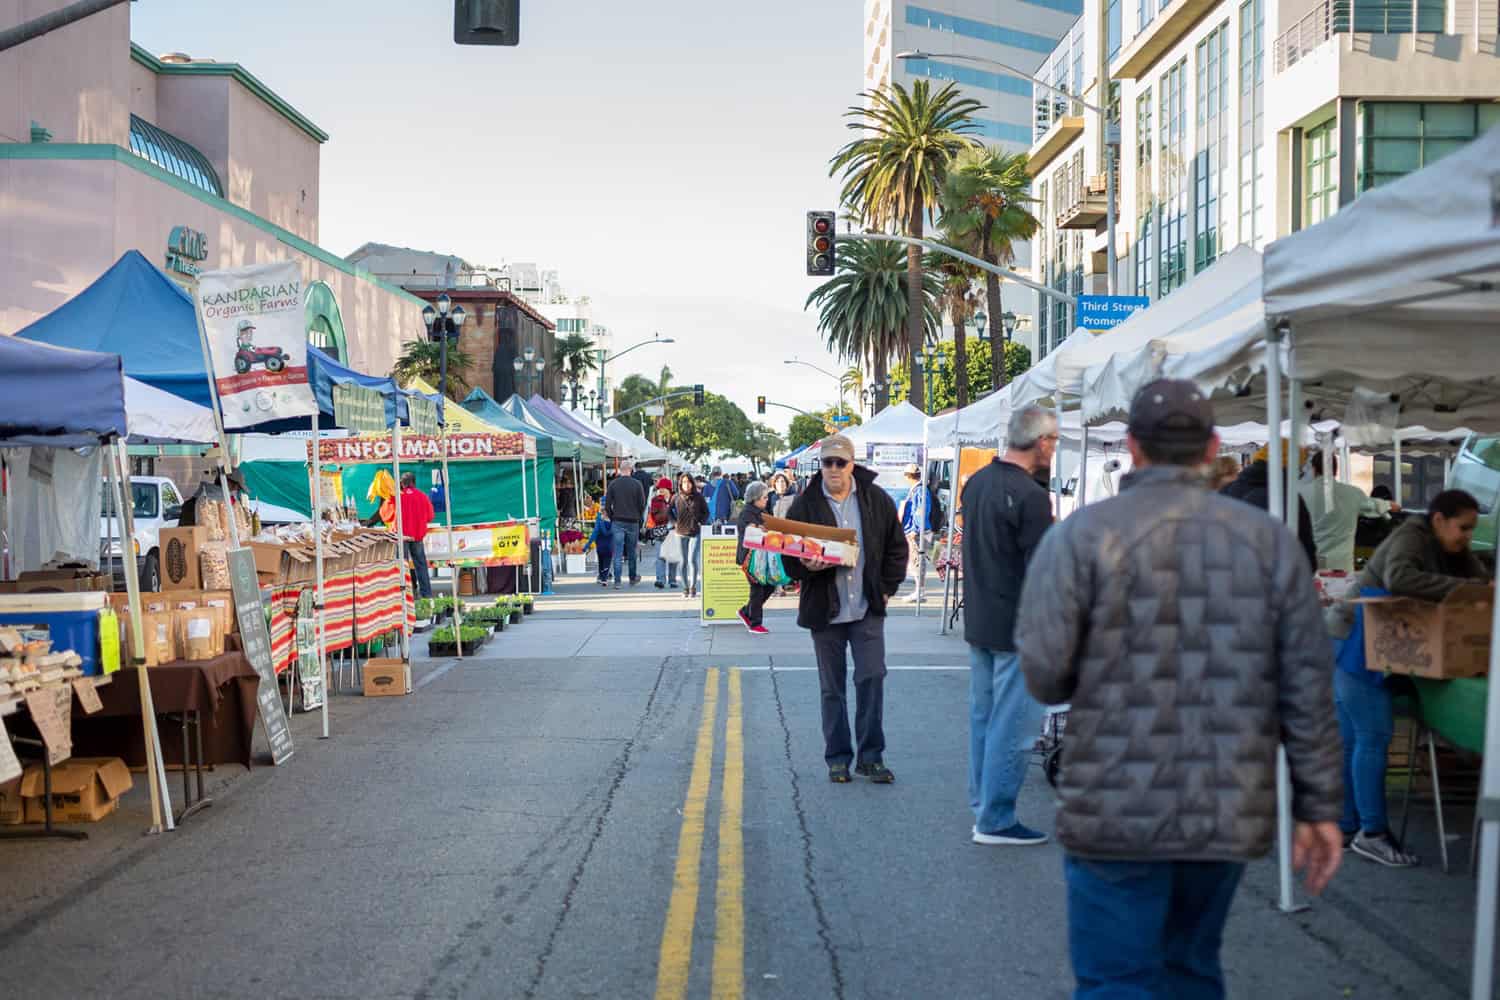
[[676, 957]]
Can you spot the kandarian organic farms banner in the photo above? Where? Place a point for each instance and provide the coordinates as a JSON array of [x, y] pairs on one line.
[[257, 339], [420, 448]]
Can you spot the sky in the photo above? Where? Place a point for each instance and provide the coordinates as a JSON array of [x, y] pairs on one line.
[[661, 155]]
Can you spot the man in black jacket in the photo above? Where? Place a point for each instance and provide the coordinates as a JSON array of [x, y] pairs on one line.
[[1005, 514], [625, 506], [845, 607]]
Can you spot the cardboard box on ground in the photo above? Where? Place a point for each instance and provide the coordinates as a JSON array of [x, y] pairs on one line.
[[385, 677], [799, 539], [1438, 640], [84, 790]]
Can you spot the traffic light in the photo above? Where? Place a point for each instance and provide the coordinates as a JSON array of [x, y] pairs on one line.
[[760, 404], [698, 394], [820, 252], [487, 22]]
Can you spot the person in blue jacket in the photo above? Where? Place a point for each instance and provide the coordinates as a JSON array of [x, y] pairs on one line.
[[603, 542], [721, 497]]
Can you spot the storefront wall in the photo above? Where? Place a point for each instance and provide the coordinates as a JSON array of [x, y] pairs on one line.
[[67, 220]]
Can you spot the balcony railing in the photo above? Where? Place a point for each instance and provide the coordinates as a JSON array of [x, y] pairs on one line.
[[1088, 208], [1340, 17]]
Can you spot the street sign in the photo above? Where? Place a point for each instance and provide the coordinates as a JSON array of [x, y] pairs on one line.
[[655, 410], [841, 418], [1105, 312]]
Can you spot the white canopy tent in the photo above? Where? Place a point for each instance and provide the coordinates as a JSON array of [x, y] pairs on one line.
[[899, 423], [634, 445], [1391, 293], [1055, 375], [154, 416]]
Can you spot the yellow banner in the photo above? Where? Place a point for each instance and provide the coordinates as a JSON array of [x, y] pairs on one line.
[[724, 587], [510, 544]]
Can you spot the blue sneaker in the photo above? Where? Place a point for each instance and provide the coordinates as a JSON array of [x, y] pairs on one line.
[[1016, 835]]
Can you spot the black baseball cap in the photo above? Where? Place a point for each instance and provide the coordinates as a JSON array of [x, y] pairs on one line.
[[1172, 411]]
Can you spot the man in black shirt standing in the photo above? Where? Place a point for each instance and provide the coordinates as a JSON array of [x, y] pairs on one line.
[[1005, 513], [625, 506]]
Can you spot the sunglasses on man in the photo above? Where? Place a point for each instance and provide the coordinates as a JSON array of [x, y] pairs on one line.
[[835, 463]]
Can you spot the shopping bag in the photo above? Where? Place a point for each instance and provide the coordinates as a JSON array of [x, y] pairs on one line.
[[671, 549], [766, 568]]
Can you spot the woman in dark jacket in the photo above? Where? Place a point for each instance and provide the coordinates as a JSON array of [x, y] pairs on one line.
[[1425, 558], [757, 496], [690, 512], [1253, 485]]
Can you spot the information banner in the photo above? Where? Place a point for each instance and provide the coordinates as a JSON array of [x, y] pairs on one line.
[[497, 543], [722, 585], [255, 640], [257, 341], [358, 408], [1105, 312], [477, 447]]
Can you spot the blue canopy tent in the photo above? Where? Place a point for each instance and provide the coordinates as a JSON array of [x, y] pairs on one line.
[[589, 452], [59, 398], [136, 311], [785, 460]]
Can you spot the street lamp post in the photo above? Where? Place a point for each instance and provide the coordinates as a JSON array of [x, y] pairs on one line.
[[601, 360], [825, 371], [528, 367], [444, 323], [927, 361], [1111, 137]]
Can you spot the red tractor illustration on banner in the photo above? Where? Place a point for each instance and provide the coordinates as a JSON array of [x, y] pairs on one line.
[[248, 356]]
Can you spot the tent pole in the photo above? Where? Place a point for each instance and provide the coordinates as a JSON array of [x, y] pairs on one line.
[[319, 636], [453, 569], [1080, 495], [536, 484], [1489, 837], [401, 537], [1396, 469], [155, 766]]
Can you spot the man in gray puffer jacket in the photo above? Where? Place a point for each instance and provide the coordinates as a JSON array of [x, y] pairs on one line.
[[1184, 629]]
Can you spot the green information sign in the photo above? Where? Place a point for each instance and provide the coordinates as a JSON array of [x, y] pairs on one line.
[[358, 408], [424, 419]]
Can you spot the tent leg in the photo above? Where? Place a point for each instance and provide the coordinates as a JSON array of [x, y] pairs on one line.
[[401, 539], [458, 617], [319, 639], [1396, 466], [1080, 495]]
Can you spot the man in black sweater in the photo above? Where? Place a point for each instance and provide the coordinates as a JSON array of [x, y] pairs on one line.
[[1005, 513], [844, 607], [625, 507]]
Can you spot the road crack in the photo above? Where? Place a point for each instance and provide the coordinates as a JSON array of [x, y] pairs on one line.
[[809, 878]]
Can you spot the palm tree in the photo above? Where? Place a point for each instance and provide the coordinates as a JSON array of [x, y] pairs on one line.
[[423, 359], [573, 353], [959, 300], [862, 308], [985, 201], [893, 171]]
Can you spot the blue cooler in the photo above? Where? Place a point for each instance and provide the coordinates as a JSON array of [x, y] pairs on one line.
[[71, 621]]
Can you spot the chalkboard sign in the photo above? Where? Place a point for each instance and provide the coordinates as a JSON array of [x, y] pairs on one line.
[[255, 638]]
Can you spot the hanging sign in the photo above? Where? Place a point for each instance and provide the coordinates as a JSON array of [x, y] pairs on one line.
[[51, 711], [492, 544], [253, 320], [724, 587], [421, 448], [424, 416], [358, 408], [1105, 312], [255, 641]]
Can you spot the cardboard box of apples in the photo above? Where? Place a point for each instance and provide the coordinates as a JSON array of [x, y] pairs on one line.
[[800, 540]]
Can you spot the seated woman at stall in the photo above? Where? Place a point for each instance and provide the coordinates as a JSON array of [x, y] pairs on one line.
[[1425, 558]]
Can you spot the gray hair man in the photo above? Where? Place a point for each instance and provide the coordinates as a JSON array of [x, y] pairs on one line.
[[625, 506], [1183, 628], [1005, 514]]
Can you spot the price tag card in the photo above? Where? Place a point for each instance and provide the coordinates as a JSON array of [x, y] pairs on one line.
[[10, 767], [88, 697], [53, 718]]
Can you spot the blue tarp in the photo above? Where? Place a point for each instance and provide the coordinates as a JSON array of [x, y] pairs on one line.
[[483, 406], [136, 311], [588, 451], [61, 398], [324, 372], [781, 463]]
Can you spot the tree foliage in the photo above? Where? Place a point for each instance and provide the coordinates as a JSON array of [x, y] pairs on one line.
[[422, 359], [980, 371], [809, 427], [892, 172], [573, 353], [716, 427]]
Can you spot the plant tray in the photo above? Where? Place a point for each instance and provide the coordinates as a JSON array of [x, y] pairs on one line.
[[515, 617], [528, 608]]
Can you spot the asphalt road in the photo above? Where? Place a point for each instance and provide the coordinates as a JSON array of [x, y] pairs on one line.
[[589, 809]]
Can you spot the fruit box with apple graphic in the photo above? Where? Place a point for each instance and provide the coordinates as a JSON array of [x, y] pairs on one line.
[[802, 540]]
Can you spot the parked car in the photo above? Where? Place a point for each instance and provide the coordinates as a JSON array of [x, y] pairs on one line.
[[1476, 468], [155, 503]]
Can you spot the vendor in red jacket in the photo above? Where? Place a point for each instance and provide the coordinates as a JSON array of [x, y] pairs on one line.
[[416, 515]]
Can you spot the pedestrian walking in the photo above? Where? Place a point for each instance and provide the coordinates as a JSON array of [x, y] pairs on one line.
[[1184, 630], [752, 614], [689, 514], [721, 496], [625, 506], [659, 531], [844, 608], [1005, 515], [782, 494], [416, 515], [1427, 558], [921, 513], [602, 540]]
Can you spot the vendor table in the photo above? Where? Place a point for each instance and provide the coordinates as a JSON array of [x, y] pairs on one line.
[[218, 693], [11, 706], [362, 604]]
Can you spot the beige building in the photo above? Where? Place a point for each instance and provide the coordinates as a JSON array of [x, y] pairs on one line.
[[1241, 121], [197, 164]]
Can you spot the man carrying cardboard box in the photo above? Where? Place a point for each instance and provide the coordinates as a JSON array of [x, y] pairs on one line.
[[844, 607]]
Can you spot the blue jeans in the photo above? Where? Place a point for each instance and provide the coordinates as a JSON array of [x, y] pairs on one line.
[[1004, 723], [1366, 724], [1148, 930], [692, 556], [417, 553], [666, 573], [627, 549]]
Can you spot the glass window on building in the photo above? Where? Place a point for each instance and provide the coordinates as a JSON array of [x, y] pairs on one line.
[[1113, 26], [1252, 120], [1394, 17], [1079, 183], [1213, 145], [1145, 12], [1396, 138], [1145, 142], [1044, 311], [1320, 173], [1171, 129]]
